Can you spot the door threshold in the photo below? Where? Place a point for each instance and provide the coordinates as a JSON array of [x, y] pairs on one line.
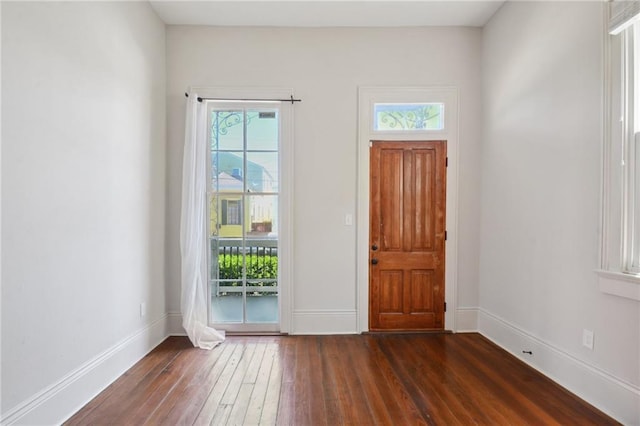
[[254, 333], [384, 332]]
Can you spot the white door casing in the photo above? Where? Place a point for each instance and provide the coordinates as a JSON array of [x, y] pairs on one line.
[[367, 97]]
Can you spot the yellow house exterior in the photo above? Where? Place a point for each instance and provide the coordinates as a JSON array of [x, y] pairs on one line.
[[225, 214], [228, 212]]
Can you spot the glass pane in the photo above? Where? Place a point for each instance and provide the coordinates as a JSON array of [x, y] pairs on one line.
[[261, 259], [231, 218], [635, 76], [262, 130], [263, 214], [227, 216], [408, 117], [230, 260], [262, 306], [635, 202], [227, 278], [262, 171], [227, 170], [227, 129], [226, 302], [262, 264]]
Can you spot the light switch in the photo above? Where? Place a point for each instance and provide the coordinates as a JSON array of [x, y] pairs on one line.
[[348, 219]]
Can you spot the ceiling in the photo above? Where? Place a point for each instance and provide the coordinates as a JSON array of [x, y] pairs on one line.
[[327, 13]]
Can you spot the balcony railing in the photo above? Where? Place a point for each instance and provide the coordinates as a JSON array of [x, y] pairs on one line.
[[251, 246], [233, 257]]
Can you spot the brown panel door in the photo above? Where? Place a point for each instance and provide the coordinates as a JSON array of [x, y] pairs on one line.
[[407, 235]]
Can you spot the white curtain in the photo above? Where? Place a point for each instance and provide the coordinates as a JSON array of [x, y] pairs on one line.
[[193, 237]]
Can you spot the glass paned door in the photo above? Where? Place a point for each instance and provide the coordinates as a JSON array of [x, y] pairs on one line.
[[243, 216]]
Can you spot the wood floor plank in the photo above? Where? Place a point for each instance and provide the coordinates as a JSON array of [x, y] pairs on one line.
[[378, 379], [546, 395], [501, 401], [301, 409], [428, 372], [358, 362], [141, 405], [272, 396], [241, 404], [461, 386], [387, 383], [261, 385], [330, 394], [506, 386], [210, 406], [315, 381], [231, 393], [222, 414], [132, 381], [388, 378], [287, 400], [187, 409], [182, 394], [251, 374], [352, 403], [427, 402]]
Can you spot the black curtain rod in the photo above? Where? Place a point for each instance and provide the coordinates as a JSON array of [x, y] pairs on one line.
[[247, 100]]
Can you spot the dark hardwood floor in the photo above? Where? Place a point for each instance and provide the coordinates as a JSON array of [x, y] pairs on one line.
[[396, 379]]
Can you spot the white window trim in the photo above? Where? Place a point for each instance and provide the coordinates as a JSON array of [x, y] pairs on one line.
[[285, 201], [615, 275], [367, 96]]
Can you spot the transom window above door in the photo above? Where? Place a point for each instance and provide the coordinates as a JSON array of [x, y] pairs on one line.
[[407, 117]]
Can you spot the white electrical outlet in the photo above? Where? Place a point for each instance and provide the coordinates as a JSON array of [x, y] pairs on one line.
[[587, 338], [143, 309]]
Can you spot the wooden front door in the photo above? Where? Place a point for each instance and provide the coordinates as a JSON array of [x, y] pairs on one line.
[[407, 235]]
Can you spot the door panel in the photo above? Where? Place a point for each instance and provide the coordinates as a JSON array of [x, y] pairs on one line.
[[421, 294], [391, 289], [391, 205], [407, 228], [424, 219]]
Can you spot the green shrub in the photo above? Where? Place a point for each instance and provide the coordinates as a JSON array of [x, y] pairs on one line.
[[258, 267]]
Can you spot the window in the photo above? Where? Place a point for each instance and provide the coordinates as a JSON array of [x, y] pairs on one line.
[[630, 89], [231, 212], [620, 237], [244, 150], [408, 117]]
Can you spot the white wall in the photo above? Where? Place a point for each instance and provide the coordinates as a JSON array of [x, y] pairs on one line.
[[83, 183], [325, 67], [83, 199], [542, 82]]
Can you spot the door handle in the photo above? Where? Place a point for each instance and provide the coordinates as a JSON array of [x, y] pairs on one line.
[[374, 261], [374, 247]]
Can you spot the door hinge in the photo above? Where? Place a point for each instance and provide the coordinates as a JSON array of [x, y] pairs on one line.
[[445, 235], [446, 162], [445, 306]]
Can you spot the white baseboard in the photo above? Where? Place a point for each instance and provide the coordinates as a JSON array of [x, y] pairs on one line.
[[304, 322], [466, 320], [324, 322], [174, 324], [613, 396], [58, 402]]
